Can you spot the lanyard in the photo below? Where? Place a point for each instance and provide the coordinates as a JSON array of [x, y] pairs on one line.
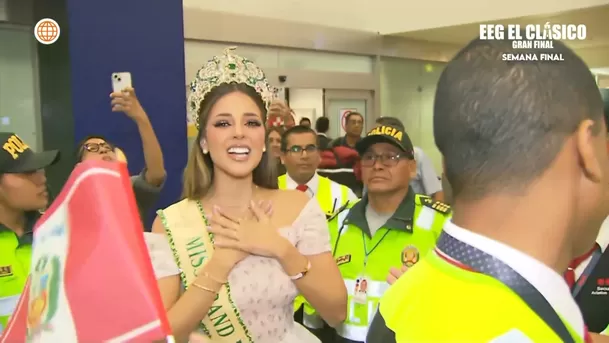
[[366, 252], [451, 249], [582, 279]]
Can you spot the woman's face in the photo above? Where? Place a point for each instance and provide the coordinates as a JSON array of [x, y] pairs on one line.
[[275, 143], [98, 149], [235, 135]]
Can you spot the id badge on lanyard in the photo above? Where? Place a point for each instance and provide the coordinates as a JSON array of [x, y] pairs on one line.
[[360, 293], [360, 296]]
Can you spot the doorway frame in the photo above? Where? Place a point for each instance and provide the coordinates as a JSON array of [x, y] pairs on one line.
[[353, 94]]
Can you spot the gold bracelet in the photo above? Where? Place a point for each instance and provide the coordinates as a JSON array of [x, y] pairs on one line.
[[194, 284], [213, 278]]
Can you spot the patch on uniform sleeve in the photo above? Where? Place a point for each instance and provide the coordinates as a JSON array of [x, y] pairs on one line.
[[343, 259], [512, 336], [437, 205], [6, 271]]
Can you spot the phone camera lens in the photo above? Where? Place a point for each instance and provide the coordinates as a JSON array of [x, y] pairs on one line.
[[119, 79], [115, 76]]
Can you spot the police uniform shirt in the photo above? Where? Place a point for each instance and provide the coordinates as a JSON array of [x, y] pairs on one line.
[[9, 303], [375, 220], [28, 234], [313, 185], [549, 283]]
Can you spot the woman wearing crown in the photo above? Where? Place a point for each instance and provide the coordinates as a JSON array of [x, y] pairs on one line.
[[231, 269]]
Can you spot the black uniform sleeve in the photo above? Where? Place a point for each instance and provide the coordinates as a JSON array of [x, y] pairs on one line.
[[379, 332]]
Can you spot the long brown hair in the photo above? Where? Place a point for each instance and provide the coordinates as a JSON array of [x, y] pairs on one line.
[[199, 172]]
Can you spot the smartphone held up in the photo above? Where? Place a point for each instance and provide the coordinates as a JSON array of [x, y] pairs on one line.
[[121, 81]]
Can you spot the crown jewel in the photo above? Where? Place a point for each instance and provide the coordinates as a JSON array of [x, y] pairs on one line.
[[226, 68]]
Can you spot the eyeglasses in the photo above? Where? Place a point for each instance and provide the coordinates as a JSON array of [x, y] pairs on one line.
[[297, 149], [96, 147], [388, 160]]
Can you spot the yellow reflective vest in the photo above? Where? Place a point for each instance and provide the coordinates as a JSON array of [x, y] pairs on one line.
[[405, 238], [326, 193], [440, 302], [15, 258], [331, 196]]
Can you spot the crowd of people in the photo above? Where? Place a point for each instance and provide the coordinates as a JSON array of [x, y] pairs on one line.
[[285, 235]]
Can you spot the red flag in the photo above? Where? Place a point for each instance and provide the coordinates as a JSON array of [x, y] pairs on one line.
[[91, 277]]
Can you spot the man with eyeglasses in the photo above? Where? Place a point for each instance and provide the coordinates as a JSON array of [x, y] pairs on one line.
[[300, 156], [148, 184], [426, 181], [389, 230], [23, 194]]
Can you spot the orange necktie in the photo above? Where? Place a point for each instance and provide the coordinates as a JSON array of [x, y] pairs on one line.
[[302, 188]]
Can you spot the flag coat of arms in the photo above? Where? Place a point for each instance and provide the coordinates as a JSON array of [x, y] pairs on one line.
[[91, 278]]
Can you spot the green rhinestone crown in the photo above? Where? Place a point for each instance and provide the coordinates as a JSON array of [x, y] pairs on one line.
[[227, 68]]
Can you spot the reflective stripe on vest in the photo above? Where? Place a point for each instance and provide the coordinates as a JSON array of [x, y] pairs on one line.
[[15, 262], [352, 332], [337, 196], [312, 321], [357, 332], [329, 202], [347, 241], [8, 305], [330, 195]]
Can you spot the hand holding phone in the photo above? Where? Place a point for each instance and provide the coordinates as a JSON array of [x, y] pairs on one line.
[[124, 98], [121, 81]]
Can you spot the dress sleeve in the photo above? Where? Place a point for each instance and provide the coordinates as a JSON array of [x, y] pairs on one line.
[[314, 233], [161, 256]]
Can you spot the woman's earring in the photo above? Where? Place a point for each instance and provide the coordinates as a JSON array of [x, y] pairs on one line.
[[205, 151], [264, 149]]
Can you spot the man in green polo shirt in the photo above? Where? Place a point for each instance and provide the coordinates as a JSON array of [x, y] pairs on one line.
[[23, 194], [390, 229]]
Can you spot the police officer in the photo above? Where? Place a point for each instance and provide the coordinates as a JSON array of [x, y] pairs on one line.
[[426, 181], [390, 228], [524, 148], [300, 156], [23, 194]]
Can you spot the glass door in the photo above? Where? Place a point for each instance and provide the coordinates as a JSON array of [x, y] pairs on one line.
[[339, 103]]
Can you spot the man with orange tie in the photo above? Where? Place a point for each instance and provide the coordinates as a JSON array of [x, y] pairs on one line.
[[300, 156], [588, 275]]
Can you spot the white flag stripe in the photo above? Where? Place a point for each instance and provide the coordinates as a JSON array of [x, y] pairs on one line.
[[135, 332], [87, 173]]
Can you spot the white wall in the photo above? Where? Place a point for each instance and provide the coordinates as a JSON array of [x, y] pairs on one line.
[[18, 96], [407, 92], [389, 16], [307, 103]]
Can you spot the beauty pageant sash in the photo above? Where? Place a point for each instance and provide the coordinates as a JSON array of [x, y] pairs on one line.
[[192, 247]]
